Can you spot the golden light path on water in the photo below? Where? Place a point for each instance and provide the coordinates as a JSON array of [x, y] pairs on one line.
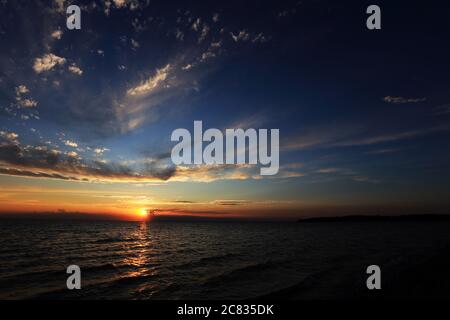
[[140, 254]]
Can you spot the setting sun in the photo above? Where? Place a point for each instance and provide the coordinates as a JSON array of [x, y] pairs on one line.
[[143, 212]]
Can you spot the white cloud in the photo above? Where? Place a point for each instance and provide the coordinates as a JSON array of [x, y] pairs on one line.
[[75, 70], [27, 103], [24, 102], [60, 8], [100, 151], [72, 154], [260, 38], [47, 62], [120, 3], [139, 25], [57, 34], [244, 35], [11, 136], [135, 44], [107, 7], [207, 55], [217, 44], [179, 35], [241, 36], [196, 25], [137, 4], [71, 143], [21, 90], [204, 33], [330, 170], [152, 83]]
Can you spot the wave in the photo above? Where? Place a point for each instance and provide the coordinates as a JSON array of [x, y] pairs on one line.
[[293, 291], [240, 273], [38, 275], [112, 240], [206, 260]]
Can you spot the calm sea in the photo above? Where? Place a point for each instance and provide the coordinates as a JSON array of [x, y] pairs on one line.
[[207, 260]]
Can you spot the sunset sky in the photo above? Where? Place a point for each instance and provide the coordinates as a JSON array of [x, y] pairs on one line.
[[86, 115]]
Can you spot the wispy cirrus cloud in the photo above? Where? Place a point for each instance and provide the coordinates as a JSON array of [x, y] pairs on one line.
[[231, 202], [152, 84], [346, 173], [402, 100], [73, 68], [392, 137], [351, 136], [384, 151], [319, 136]]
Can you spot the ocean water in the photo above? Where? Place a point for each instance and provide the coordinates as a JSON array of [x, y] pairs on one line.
[[209, 260]]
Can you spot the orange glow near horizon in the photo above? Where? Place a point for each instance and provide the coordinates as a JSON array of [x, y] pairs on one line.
[[132, 201]]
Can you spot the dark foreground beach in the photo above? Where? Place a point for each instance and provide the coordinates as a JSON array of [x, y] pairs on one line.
[[224, 260]]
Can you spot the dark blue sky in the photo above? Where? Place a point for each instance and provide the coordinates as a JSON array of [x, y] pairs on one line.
[[364, 116]]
